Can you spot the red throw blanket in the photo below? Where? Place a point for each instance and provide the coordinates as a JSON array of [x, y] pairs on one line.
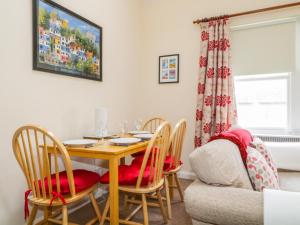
[[241, 137]]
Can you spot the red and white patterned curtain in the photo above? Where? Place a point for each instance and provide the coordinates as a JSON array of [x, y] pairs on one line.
[[216, 110]]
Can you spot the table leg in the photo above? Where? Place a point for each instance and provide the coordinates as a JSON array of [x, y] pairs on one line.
[[114, 191]]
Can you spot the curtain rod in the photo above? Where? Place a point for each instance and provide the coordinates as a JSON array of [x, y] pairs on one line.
[[248, 12]]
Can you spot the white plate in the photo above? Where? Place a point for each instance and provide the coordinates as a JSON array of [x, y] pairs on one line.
[[94, 137], [139, 132], [124, 141], [80, 142], [144, 136]]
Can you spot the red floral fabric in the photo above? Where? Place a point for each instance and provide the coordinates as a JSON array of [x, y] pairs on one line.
[[216, 110], [260, 146], [261, 175]]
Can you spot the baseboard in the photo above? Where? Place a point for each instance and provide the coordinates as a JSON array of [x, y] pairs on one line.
[[188, 175]]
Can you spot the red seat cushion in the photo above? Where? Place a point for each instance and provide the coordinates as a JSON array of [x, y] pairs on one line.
[[168, 165], [128, 175], [83, 179]]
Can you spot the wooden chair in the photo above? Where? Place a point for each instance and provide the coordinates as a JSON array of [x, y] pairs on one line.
[[152, 163], [152, 124], [37, 152], [174, 166]]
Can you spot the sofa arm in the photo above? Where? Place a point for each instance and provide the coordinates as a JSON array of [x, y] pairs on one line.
[[224, 205]]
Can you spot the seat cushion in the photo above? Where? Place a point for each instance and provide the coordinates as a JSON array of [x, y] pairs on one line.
[[219, 163], [168, 164], [223, 205], [289, 181], [128, 175], [83, 179]]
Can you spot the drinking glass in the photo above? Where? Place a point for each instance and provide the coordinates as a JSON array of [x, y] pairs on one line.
[[138, 124], [124, 127]]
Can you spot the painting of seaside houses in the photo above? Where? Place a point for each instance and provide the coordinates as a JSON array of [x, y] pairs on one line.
[[66, 43]]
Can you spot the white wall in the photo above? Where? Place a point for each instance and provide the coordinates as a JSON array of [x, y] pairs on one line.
[[168, 29], [62, 104]]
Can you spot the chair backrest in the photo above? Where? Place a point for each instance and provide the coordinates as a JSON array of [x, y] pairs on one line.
[[153, 123], [155, 155], [34, 147], [176, 142]]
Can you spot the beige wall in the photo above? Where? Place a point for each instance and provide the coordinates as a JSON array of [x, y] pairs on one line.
[[168, 29], [63, 104], [136, 32]]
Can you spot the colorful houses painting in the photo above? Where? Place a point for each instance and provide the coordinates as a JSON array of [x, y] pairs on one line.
[[66, 43]]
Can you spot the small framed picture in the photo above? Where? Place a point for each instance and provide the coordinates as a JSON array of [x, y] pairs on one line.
[[168, 69]]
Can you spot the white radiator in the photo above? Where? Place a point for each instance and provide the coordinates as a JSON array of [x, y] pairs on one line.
[[278, 138]]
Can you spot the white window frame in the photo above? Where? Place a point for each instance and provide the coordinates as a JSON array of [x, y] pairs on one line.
[[273, 76]]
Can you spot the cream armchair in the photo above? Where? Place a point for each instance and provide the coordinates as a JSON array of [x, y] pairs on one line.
[[222, 193]]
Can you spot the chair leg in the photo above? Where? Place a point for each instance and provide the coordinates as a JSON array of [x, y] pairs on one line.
[[46, 215], [105, 211], [95, 206], [179, 187], [126, 201], [162, 208], [169, 208], [129, 204], [64, 215], [145, 210], [171, 184], [32, 215]]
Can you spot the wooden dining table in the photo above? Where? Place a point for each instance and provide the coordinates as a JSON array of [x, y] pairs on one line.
[[114, 154]]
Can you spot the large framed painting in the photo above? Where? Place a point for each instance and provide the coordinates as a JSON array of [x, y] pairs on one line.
[[65, 43], [168, 69]]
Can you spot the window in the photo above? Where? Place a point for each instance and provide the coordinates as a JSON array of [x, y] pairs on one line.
[[263, 100]]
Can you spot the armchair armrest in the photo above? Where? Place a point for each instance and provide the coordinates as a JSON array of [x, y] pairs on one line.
[[281, 207]]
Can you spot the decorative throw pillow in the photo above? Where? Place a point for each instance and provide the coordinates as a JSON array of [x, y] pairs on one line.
[[260, 173], [259, 145], [219, 163]]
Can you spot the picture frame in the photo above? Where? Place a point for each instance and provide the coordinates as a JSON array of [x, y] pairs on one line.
[[168, 69], [65, 43]]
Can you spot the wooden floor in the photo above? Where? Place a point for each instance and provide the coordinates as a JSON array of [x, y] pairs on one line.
[[180, 217]]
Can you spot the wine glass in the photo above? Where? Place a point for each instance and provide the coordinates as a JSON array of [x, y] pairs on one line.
[[125, 124], [123, 127], [138, 124]]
